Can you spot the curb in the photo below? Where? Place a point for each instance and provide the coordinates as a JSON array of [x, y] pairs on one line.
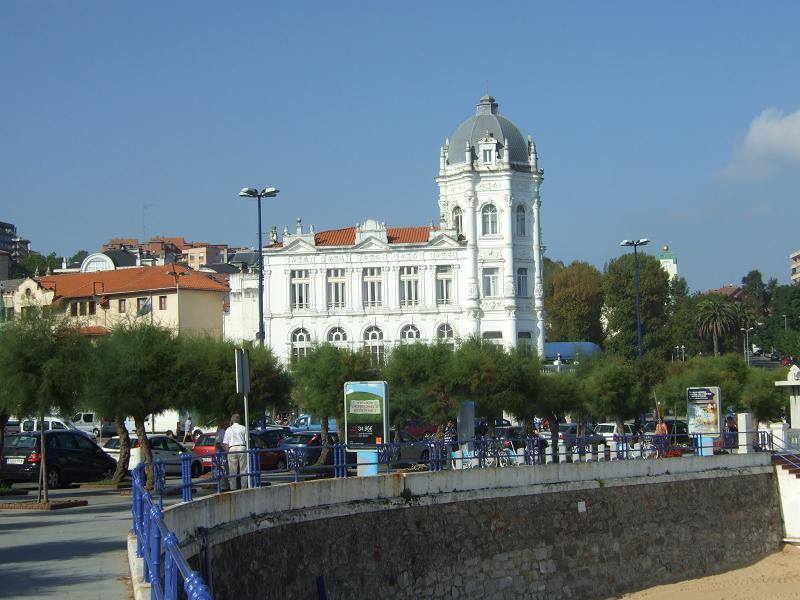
[[33, 505], [141, 590]]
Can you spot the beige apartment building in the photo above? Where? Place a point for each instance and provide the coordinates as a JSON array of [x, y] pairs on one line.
[[795, 273], [172, 296]]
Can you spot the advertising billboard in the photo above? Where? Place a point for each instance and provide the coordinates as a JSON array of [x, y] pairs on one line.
[[366, 413], [703, 409]]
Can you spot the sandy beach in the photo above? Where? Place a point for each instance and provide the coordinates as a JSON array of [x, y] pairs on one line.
[[776, 577]]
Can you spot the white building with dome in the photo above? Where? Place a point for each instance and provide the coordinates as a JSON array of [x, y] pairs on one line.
[[477, 273]]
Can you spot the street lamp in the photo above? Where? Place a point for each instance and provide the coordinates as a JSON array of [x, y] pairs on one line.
[[746, 341], [265, 193], [636, 244], [784, 322], [177, 275]]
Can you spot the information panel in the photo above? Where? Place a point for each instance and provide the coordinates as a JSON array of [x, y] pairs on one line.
[[703, 409], [366, 413]]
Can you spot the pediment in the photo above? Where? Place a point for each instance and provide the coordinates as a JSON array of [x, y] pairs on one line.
[[370, 244], [298, 247], [443, 241]]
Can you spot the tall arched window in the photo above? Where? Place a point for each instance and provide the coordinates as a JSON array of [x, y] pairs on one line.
[[409, 333], [522, 230], [373, 341], [445, 334], [337, 335], [301, 342], [489, 219], [458, 220]]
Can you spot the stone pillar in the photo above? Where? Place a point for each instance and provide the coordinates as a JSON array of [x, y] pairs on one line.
[[746, 425], [473, 290], [538, 273]]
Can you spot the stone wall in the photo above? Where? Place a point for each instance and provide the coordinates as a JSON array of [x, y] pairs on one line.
[[591, 541]]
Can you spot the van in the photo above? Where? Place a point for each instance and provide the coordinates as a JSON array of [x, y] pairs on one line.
[[51, 424], [93, 423], [170, 422]]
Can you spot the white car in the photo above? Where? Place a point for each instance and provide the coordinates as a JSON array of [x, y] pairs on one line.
[[163, 448], [607, 431]]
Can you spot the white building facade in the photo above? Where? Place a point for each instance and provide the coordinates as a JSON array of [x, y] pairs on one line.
[[477, 273]]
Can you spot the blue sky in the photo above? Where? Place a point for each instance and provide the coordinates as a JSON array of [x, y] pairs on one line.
[[675, 121]]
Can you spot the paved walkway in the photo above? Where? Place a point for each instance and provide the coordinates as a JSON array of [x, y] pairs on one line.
[[69, 553]]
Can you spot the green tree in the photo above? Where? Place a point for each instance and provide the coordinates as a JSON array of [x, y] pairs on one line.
[[559, 395], [550, 269], [42, 369], [755, 292], [133, 372], [715, 318], [612, 388], [481, 372], [521, 397], [35, 263], [78, 256], [319, 379], [762, 397], [619, 289], [681, 309], [576, 304]]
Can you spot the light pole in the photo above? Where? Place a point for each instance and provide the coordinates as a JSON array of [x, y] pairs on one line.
[[747, 331], [784, 322], [177, 275], [265, 193], [683, 353], [636, 244]]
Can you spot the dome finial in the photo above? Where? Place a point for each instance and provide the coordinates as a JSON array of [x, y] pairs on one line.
[[487, 106]]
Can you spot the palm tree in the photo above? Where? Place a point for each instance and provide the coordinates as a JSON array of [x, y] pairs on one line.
[[716, 316]]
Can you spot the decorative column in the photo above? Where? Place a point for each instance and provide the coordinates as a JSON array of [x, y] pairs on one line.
[[538, 273], [472, 303], [509, 294]]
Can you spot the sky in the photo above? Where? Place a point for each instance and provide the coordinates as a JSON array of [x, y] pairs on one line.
[[673, 121]]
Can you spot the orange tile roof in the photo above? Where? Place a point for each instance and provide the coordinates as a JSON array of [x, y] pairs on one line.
[[126, 281], [395, 235], [92, 330]]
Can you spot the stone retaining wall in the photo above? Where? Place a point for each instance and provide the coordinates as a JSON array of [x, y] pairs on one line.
[[588, 538]]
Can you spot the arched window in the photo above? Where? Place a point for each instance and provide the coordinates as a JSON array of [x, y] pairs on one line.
[[409, 333], [521, 227], [301, 342], [445, 334], [337, 335], [373, 341], [489, 220], [458, 220]]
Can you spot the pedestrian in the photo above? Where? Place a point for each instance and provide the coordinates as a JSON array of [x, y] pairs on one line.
[[731, 433], [450, 438], [187, 429], [661, 438], [235, 444], [221, 467]]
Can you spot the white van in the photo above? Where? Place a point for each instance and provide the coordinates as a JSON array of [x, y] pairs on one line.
[[92, 422], [51, 424], [169, 422]]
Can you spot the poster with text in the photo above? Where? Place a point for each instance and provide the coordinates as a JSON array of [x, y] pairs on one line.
[[703, 407], [366, 413]]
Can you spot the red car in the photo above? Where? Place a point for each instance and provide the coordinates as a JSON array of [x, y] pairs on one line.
[[263, 441], [419, 430]]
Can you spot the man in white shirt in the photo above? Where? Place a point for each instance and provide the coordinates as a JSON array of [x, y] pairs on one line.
[[234, 443], [187, 429]]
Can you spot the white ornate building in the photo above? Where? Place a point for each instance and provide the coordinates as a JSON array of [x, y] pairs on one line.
[[478, 273]]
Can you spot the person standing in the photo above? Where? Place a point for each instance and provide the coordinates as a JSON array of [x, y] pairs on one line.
[[187, 429], [450, 439], [661, 438], [235, 443]]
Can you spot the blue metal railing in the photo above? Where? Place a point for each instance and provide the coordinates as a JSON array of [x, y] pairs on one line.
[[162, 560]]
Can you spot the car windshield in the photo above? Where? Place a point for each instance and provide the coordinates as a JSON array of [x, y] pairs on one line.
[[564, 427], [112, 444], [296, 439], [12, 442], [207, 439]]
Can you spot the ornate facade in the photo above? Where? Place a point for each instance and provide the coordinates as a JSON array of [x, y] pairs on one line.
[[477, 273]]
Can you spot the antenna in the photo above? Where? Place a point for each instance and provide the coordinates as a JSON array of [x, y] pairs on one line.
[[487, 87]]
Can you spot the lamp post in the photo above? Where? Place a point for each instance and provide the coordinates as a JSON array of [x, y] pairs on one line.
[[265, 193], [683, 353], [177, 275], [784, 322], [746, 340], [636, 244]]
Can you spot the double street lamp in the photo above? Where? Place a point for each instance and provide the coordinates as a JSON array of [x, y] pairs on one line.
[[635, 244], [265, 193], [746, 341]]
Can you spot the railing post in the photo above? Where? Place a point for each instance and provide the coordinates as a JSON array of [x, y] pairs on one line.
[[170, 572], [146, 504], [186, 477], [195, 588], [155, 545], [253, 468]]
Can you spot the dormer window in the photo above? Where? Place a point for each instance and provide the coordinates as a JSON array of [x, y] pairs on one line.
[[488, 156]]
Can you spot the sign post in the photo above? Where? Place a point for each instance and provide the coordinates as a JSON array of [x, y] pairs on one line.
[[703, 413], [366, 421], [243, 387]]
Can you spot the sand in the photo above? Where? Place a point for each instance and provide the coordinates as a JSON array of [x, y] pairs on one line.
[[776, 577]]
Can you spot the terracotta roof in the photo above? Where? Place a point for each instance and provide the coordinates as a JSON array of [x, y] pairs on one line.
[[395, 235], [733, 292], [126, 281], [92, 330]]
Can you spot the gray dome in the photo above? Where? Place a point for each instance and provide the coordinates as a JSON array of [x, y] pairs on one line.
[[474, 129]]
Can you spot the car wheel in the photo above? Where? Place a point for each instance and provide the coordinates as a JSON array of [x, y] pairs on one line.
[[53, 479], [197, 469], [281, 464]]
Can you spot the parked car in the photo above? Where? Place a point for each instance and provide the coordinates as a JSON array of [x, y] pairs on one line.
[[310, 444], [678, 430], [71, 457], [419, 430], [50, 424], [607, 431], [12, 426], [412, 450], [164, 448], [93, 423], [568, 434], [307, 422], [265, 441]]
